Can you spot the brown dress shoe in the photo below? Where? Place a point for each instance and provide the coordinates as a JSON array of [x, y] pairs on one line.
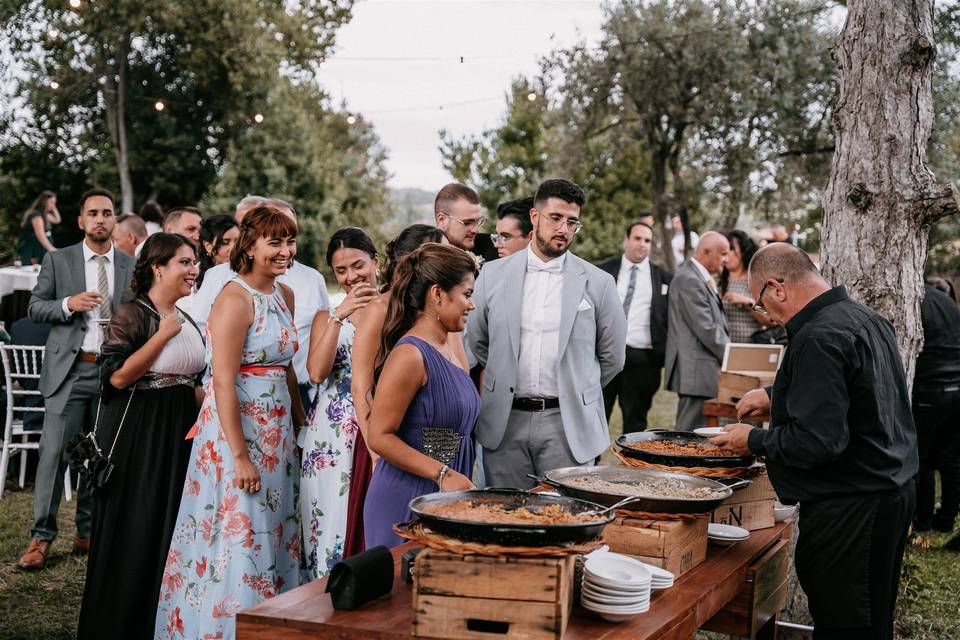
[[35, 556], [81, 545]]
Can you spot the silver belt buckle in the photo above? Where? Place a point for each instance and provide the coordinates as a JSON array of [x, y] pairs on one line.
[[541, 404]]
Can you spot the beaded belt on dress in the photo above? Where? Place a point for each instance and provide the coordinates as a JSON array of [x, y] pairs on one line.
[[441, 443], [164, 380]]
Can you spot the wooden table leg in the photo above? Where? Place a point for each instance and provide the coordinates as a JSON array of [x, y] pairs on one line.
[[769, 630]]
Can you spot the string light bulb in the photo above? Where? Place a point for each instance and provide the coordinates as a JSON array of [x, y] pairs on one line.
[[75, 4], [54, 85], [258, 118], [531, 96], [53, 33], [158, 105], [351, 120]]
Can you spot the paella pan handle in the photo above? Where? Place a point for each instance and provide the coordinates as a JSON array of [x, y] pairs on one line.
[[616, 505], [544, 480]]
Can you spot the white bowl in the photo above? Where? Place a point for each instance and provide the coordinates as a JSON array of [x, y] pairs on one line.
[[615, 614], [782, 512], [722, 542], [727, 532], [604, 590]]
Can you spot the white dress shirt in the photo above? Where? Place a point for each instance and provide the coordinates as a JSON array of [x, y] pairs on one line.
[[677, 245], [540, 328], [94, 334], [310, 296], [638, 318]]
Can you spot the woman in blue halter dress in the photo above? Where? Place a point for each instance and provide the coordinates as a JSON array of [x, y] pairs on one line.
[[237, 537], [424, 405]]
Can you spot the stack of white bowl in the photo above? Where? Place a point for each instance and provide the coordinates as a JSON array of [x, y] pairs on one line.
[[615, 586]]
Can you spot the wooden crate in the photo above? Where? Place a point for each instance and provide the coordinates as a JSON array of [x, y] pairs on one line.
[[675, 545], [750, 508], [731, 386], [467, 596]]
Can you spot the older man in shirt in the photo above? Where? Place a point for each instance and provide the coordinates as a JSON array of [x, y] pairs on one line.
[[77, 290], [841, 442], [549, 330], [309, 291], [642, 287], [697, 330]]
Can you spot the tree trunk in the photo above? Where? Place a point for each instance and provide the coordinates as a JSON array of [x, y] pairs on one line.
[[116, 123], [658, 161], [882, 197]]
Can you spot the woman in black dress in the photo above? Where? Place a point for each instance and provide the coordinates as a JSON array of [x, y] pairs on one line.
[[150, 365]]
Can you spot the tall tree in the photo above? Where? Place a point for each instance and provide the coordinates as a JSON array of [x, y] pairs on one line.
[[97, 71], [882, 196]]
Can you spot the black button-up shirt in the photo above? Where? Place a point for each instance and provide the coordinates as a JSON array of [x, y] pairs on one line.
[[938, 365], [840, 421]]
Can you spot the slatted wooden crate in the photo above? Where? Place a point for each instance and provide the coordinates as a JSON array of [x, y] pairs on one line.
[[751, 508], [469, 596], [675, 545]]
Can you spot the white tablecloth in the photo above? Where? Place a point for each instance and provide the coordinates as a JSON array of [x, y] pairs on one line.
[[17, 279]]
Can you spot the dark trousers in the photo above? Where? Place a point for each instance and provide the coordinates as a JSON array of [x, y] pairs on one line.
[[936, 412], [69, 411], [848, 559], [635, 387]]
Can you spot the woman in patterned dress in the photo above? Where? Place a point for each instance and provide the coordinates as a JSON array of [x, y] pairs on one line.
[[737, 301], [237, 538], [327, 441]]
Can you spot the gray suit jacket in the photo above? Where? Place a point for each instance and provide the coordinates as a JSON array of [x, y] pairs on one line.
[[592, 334], [696, 335], [61, 276]]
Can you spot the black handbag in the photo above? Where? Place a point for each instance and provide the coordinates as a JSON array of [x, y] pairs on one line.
[[86, 457]]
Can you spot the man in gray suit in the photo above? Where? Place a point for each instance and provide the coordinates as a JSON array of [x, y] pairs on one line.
[[549, 330], [696, 330], [77, 291]]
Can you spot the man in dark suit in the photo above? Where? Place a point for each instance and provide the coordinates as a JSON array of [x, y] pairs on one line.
[[642, 287], [77, 291], [697, 333]]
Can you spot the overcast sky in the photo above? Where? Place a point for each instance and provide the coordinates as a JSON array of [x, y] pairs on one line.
[[398, 61]]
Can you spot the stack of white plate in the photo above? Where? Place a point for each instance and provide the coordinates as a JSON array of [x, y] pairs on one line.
[[725, 534], [615, 586]]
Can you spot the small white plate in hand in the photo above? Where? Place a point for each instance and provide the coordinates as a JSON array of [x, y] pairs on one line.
[[709, 432]]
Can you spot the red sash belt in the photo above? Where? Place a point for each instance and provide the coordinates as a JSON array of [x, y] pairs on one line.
[[266, 371]]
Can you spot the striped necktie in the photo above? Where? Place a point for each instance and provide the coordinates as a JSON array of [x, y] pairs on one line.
[[103, 286], [631, 286]]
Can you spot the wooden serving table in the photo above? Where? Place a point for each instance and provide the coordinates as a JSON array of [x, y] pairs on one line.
[[714, 409], [737, 590]]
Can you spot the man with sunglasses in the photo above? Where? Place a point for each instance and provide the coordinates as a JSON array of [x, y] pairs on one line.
[[841, 443], [549, 329]]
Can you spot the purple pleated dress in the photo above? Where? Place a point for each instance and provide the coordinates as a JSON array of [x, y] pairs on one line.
[[439, 422]]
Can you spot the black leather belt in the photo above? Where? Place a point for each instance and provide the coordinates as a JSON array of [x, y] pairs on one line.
[[535, 404]]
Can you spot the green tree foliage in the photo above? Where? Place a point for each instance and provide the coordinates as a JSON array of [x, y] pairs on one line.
[[217, 66], [330, 171], [508, 161]]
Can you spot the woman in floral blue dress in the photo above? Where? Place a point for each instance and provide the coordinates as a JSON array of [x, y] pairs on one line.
[[327, 442], [237, 539]]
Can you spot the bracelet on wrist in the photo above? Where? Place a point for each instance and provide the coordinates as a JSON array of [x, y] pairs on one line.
[[443, 472], [334, 317]]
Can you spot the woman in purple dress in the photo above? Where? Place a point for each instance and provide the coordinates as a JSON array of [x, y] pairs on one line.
[[424, 403]]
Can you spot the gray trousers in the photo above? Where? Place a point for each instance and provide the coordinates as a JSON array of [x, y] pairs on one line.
[[69, 411], [534, 442], [690, 413]]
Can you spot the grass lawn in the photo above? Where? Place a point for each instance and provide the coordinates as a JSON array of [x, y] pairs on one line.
[[45, 605]]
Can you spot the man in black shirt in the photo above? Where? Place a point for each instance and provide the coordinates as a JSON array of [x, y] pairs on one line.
[[841, 443], [936, 411]]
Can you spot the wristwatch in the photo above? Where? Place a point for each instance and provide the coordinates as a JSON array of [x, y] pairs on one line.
[[334, 317]]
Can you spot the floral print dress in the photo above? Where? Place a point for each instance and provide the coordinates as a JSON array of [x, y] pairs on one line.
[[327, 445], [232, 549]]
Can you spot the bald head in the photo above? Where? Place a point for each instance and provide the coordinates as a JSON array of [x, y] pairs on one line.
[[783, 280], [712, 251], [781, 260]]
